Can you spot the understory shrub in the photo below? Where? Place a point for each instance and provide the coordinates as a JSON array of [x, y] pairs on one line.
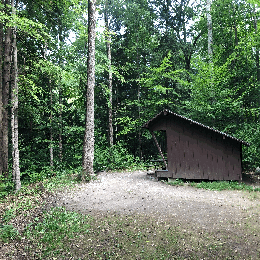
[[114, 158], [8, 232], [250, 132]]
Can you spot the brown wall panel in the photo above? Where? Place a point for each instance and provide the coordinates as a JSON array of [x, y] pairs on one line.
[[195, 152]]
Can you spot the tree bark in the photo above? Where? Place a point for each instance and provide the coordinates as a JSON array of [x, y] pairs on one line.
[[60, 125], [110, 86], [88, 143], [51, 130], [1, 96], [257, 50], [5, 96], [209, 23], [14, 114]]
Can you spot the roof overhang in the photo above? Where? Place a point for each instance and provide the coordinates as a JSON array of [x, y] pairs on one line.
[[167, 112]]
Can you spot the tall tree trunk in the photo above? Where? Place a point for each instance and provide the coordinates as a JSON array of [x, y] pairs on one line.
[[110, 100], [61, 63], [1, 96], [139, 148], [60, 125], [209, 23], [257, 50], [51, 130], [88, 143], [14, 114], [5, 95]]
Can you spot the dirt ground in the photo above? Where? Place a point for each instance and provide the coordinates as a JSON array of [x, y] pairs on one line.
[[228, 221], [233, 214], [232, 217], [137, 192]]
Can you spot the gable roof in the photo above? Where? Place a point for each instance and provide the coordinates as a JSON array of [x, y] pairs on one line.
[[166, 112]]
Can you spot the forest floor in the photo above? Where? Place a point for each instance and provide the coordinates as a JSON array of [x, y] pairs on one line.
[[133, 216]]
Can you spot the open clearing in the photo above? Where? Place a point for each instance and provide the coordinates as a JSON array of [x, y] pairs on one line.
[[130, 215], [229, 218]]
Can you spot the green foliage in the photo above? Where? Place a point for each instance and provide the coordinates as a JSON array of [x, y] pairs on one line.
[[214, 185], [223, 185], [32, 175], [8, 215], [176, 182], [159, 60], [115, 158], [56, 226], [250, 132], [28, 26], [163, 87], [7, 233], [62, 179], [6, 186]]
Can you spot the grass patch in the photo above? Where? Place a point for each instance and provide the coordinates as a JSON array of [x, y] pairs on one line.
[[176, 182], [7, 233], [214, 185], [56, 231], [64, 235], [224, 185]]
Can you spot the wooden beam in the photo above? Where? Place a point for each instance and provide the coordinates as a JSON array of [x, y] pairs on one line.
[[159, 148]]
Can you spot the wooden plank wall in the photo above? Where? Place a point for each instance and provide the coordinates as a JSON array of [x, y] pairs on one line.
[[195, 152]]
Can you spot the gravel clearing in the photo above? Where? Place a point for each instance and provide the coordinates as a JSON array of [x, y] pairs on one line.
[[229, 220], [207, 224], [136, 192]]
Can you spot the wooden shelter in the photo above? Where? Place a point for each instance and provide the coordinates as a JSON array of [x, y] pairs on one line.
[[195, 151]]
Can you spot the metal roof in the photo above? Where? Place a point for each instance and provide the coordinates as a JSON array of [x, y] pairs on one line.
[[166, 112]]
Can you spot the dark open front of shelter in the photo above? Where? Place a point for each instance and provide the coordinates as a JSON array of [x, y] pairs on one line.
[[195, 151]]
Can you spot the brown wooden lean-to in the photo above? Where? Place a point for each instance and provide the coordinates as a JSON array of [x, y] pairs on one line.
[[195, 151]]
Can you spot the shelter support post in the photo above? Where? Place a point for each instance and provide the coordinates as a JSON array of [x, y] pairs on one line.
[[159, 148]]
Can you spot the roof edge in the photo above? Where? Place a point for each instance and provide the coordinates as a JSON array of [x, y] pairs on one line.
[[166, 112]]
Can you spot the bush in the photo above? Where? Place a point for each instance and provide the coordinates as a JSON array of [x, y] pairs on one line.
[[250, 133], [6, 186], [114, 158]]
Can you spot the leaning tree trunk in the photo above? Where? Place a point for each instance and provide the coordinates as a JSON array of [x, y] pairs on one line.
[[14, 115], [88, 143], [5, 96]]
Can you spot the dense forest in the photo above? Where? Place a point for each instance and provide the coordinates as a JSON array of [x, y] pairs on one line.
[[200, 59]]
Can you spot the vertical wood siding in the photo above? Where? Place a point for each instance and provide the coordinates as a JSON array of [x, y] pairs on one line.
[[195, 152]]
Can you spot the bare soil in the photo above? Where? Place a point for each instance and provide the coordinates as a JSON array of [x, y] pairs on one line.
[[230, 215], [137, 192]]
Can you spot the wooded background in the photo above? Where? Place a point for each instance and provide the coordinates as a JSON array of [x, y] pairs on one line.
[[199, 59]]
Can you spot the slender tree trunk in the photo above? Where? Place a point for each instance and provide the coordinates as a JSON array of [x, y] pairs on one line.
[[14, 115], [88, 143], [110, 101], [257, 50], [5, 95], [209, 23], [51, 130], [1, 96], [60, 125], [60, 61], [139, 148]]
